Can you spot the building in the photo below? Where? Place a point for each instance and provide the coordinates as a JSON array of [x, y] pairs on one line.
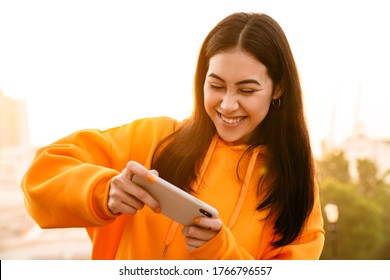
[[359, 145], [20, 236], [14, 130], [363, 147]]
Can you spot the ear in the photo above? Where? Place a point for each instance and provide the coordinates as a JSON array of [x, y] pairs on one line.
[[277, 92]]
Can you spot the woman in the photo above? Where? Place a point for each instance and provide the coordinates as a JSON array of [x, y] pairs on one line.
[[245, 150]]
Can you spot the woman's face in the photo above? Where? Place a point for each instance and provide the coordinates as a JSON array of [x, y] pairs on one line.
[[237, 94]]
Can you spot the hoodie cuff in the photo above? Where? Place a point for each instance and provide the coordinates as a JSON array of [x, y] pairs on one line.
[[220, 247]]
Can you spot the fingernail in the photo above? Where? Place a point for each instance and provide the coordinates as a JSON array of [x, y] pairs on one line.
[[151, 178], [196, 220], [158, 210]]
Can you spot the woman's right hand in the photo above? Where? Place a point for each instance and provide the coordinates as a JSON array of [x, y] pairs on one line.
[[127, 197]]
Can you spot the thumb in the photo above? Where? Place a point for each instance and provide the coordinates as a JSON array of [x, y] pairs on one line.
[[154, 172]]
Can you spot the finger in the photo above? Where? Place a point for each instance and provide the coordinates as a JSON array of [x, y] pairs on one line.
[[132, 202], [134, 168], [191, 248], [127, 197], [144, 197], [197, 233], [193, 243], [214, 224], [119, 200], [154, 172], [123, 208]]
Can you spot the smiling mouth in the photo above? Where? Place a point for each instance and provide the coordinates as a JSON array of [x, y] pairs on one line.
[[231, 120]]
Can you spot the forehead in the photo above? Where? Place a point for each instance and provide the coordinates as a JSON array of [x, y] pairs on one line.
[[236, 64]]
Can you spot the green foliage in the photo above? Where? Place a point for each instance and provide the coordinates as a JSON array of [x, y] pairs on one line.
[[336, 166], [363, 228], [359, 228]]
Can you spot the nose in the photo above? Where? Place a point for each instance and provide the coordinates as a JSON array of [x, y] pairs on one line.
[[229, 102]]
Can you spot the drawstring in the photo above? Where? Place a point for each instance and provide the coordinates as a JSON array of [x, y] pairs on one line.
[[174, 225], [170, 236], [244, 189]]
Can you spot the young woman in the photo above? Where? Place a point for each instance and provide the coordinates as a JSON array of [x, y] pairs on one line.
[[245, 150]]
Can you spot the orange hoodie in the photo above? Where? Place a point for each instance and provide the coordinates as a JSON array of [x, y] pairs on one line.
[[68, 182]]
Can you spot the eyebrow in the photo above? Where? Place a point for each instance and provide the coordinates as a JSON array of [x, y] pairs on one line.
[[243, 82]]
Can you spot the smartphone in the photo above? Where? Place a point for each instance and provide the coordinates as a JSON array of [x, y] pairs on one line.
[[175, 203]]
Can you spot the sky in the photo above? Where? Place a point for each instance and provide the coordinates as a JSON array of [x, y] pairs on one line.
[[98, 64]]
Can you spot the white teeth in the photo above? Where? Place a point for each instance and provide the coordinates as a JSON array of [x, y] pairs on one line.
[[231, 121]]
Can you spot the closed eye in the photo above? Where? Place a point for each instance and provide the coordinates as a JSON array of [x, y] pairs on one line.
[[247, 91], [216, 87]]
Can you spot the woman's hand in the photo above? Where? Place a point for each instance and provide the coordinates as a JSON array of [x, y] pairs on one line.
[[125, 196], [204, 230]]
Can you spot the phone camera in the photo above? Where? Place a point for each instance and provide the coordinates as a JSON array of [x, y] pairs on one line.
[[204, 212]]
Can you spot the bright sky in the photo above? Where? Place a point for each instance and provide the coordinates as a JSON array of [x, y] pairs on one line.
[[97, 64]]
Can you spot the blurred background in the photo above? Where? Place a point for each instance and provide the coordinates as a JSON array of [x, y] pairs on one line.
[[70, 65]]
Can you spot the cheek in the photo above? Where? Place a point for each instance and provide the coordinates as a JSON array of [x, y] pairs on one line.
[[210, 100], [258, 110]]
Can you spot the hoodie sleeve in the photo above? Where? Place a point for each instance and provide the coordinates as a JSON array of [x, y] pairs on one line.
[[307, 246], [68, 181], [222, 247]]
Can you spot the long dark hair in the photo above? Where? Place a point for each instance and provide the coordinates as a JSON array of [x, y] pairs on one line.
[[290, 196]]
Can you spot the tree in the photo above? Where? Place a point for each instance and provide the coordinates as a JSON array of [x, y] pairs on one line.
[[363, 228], [360, 230], [334, 165], [368, 177]]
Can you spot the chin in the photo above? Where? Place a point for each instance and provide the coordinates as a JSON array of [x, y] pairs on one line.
[[231, 140], [238, 140]]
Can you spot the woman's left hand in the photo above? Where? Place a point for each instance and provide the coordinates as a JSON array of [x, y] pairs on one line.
[[203, 230]]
